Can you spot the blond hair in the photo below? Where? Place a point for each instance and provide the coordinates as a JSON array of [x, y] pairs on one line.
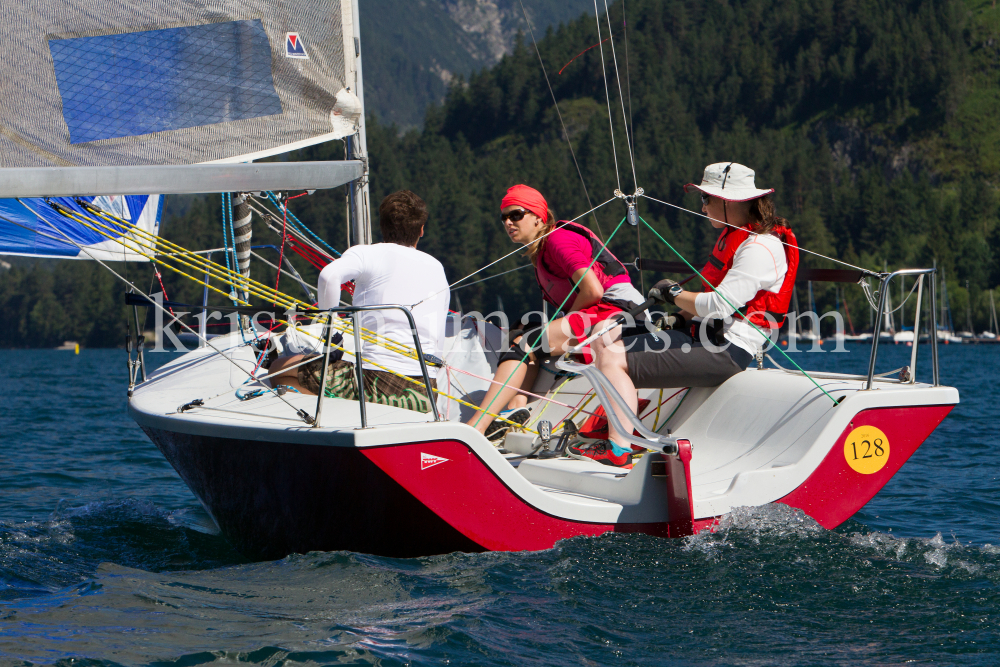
[[535, 247]]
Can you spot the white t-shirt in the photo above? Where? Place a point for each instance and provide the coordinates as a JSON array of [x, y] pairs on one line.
[[759, 264], [389, 273]]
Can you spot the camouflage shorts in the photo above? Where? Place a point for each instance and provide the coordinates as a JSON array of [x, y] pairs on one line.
[[381, 387]]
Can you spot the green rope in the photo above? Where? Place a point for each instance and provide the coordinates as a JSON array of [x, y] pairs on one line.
[[679, 404], [604, 245], [737, 310]]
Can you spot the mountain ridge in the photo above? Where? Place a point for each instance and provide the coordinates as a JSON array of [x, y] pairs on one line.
[[414, 50]]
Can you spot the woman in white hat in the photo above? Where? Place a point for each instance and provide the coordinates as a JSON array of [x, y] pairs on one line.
[[747, 286]]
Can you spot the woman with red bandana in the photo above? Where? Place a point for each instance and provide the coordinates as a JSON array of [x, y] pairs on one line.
[[577, 275]]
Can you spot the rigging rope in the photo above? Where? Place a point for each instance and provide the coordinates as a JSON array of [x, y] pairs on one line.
[[174, 318], [299, 243], [273, 198], [607, 95], [512, 252], [912, 289], [559, 114], [229, 277], [284, 236], [728, 224], [621, 97], [628, 78], [496, 275], [228, 219]]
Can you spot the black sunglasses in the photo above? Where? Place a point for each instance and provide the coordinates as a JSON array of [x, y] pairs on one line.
[[705, 199], [516, 215]]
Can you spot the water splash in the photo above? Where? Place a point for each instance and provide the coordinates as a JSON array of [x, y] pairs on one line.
[[38, 557]]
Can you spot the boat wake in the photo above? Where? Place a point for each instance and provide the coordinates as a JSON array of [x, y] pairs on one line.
[[41, 557], [771, 530]]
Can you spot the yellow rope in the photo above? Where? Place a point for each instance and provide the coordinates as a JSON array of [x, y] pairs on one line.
[[227, 276], [549, 398], [580, 409], [656, 420], [270, 294]]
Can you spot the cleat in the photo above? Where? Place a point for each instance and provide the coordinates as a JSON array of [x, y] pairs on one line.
[[498, 429], [602, 452]]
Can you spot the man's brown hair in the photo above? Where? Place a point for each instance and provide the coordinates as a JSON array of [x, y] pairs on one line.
[[401, 216]]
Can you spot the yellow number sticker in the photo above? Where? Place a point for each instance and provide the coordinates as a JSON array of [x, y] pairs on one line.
[[866, 449]]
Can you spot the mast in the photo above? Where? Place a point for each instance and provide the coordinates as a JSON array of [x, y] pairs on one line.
[[902, 303], [993, 314], [994, 325], [242, 234], [968, 306], [890, 327], [358, 197], [945, 322], [812, 302]]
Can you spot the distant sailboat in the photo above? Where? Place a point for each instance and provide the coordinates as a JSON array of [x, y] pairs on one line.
[[902, 337], [967, 334], [946, 332], [994, 325], [809, 336]]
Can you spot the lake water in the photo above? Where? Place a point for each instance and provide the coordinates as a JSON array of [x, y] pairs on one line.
[[105, 560]]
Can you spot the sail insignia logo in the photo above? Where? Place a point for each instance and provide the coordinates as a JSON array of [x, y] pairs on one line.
[[294, 47]]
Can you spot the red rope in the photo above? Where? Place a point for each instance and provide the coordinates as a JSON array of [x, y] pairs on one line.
[[311, 255], [662, 403], [582, 52], [284, 236], [162, 288]]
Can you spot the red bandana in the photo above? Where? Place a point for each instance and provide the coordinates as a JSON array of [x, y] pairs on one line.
[[528, 198]]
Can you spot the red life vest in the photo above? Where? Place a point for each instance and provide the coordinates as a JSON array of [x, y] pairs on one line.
[[773, 303], [558, 288]]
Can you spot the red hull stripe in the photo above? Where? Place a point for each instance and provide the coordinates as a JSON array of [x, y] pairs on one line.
[[835, 491], [470, 497], [466, 494]]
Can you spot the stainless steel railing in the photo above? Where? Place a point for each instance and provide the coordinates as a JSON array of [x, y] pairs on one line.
[[353, 311], [876, 333]]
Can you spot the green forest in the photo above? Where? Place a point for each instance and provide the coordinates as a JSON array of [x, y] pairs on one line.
[[876, 121]]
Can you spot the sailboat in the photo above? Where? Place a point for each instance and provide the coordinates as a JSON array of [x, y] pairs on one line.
[[889, 323], [947, 328], [853, 336], [994, 330], [282, 472], [903, 336], [809, 335], [967, 335]]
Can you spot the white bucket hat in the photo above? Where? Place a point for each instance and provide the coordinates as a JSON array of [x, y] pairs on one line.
[[729, 181]]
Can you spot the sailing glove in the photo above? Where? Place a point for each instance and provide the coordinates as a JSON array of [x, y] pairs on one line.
[[665, 291]]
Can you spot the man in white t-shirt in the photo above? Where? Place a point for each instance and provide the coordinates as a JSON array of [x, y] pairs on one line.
[[393, 272]]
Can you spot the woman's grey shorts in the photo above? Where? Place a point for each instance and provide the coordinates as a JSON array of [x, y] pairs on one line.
[[674, 359]]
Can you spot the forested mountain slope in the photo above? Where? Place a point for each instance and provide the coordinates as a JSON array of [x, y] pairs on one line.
[[875, 120], [413, 50]]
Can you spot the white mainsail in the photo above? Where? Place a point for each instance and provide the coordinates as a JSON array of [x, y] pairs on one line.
[[133, 96], [113, 82]]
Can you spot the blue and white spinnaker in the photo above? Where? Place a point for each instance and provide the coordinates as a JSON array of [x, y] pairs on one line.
[[36, 228]]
